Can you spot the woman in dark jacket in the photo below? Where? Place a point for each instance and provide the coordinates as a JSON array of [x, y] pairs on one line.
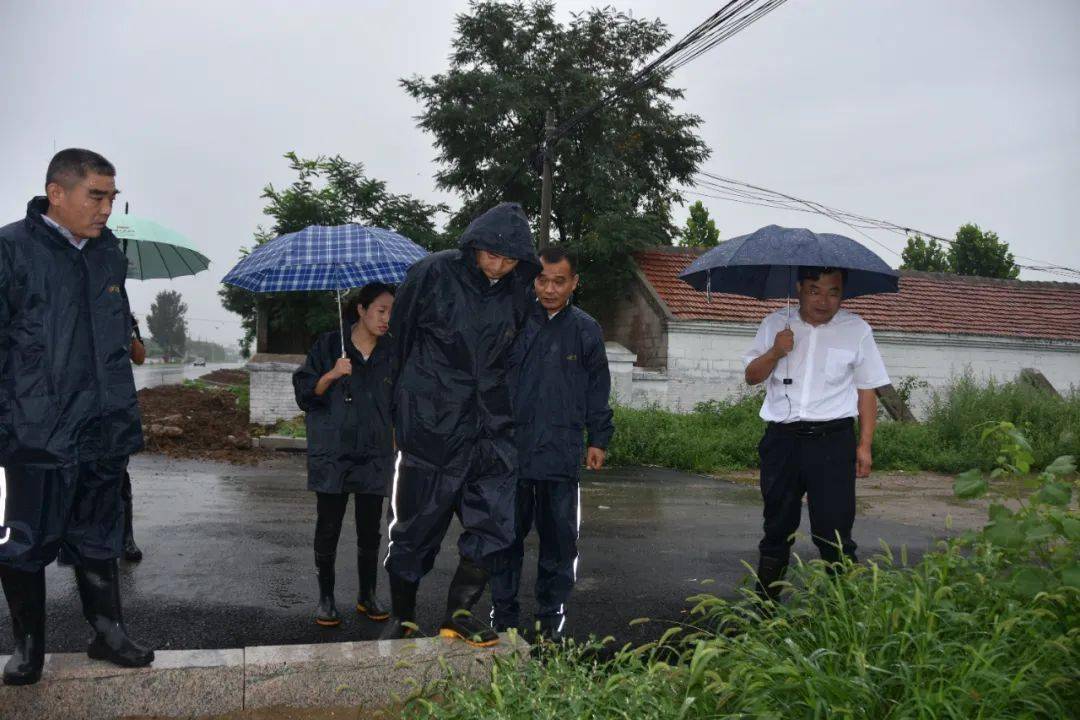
[[350, 441]]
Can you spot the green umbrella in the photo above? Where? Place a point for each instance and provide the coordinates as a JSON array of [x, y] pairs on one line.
[[155, 251]]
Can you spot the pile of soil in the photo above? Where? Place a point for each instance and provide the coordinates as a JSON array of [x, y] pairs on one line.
[[197, 422], [227, 377]]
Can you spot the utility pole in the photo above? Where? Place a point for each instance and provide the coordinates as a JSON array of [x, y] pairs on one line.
[[545, 188]]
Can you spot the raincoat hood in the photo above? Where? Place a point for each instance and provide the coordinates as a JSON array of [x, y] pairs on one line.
[[503, 230]]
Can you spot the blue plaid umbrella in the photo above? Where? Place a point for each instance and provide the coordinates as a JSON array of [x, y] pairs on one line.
[[321, 257]]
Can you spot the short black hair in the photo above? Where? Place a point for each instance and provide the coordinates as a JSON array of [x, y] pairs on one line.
[[809, 272], [69, 166], [554, 254], [364, 297]]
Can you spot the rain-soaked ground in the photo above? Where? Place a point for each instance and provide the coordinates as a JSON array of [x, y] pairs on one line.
[[229, 560]]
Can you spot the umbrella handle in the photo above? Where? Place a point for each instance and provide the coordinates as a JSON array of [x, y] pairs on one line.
[[341, 326]]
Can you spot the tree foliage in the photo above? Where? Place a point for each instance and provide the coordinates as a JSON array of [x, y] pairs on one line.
[[166, 322], [700, 230], [974, 252], [615, 176], [327, 191], [927, 256]]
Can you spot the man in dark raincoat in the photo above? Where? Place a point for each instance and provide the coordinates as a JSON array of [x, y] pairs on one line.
[[561, 391], [455, 319], [68, 411]]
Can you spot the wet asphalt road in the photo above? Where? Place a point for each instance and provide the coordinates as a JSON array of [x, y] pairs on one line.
[[229, 560]]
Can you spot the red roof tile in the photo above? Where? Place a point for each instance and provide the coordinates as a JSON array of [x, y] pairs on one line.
[[926, 303]]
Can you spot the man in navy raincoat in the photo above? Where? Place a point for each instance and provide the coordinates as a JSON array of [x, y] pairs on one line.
[[455, 319], [68, 411], [562, 387]]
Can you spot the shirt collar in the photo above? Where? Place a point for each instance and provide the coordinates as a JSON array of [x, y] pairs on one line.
[[77, 243]]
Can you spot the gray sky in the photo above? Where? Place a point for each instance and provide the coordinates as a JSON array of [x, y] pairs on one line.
[[924, 112]]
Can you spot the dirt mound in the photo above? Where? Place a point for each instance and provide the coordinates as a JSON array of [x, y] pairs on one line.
[[227, 377], [191, 422]]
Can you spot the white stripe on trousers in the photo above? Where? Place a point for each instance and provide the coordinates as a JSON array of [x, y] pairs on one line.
[[393, 509], [3, 506], [577, 534]]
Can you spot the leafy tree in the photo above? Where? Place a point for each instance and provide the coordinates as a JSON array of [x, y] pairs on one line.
[[615, 176], [700, 230], [327, 191], [978, 252], [166, 322], [928, 256]]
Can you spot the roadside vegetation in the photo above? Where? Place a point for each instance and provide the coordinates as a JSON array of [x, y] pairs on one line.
[[986, 626]]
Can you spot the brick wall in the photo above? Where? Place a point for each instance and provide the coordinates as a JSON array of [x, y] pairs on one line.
[[640, 324]]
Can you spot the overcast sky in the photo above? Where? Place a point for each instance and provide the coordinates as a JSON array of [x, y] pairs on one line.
[[924, 112]]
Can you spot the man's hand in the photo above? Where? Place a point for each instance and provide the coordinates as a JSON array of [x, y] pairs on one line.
[[342, 367], [594, 459], [864, 461], [784, 343]]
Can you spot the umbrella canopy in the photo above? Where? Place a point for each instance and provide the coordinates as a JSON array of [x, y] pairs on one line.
[[764, 264], [154, 251], [322, 257]]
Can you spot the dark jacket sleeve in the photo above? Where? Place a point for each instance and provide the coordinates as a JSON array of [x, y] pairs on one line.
[[597, 397], [409, 303], [307, 377]]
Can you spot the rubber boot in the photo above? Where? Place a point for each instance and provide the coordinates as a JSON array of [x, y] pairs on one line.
[[465, 589], [326, 614], [549, 629], [770, 570], [25, 593], [132, 553], [99, 588], [367, 566], [403, 601]]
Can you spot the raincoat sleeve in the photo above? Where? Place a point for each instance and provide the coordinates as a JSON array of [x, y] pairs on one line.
[[307, 377], [597, 400], [409, 305]]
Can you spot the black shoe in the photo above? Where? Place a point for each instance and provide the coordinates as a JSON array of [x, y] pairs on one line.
[[549, 629], [770, 571], [367, 566], [403, 600], [132, 553], [25, 594], [326, 614], [99, 589], [465, 589]]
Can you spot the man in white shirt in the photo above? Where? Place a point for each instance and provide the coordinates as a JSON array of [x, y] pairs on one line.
[[820, 366]]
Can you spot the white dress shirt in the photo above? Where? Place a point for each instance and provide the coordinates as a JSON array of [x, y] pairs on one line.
[[79, 243], [829, 364]]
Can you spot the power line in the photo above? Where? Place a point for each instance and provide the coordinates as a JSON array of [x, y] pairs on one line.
[[745, 193]]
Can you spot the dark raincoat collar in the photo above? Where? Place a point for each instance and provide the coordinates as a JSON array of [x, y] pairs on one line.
[[38, 207]]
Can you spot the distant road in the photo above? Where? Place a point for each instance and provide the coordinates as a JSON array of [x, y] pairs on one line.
[[155, 375]]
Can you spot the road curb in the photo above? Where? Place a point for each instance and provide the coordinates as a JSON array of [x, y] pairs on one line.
[[196, 683]]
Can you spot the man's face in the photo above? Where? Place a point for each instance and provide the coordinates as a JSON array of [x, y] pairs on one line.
[[83, 207], [554, 284], [820, 299], [494, 266]]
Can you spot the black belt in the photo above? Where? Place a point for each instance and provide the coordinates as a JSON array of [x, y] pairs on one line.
[[813, 428]]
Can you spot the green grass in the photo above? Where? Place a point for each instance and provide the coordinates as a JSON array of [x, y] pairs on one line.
[[940, 639], [724, 435]]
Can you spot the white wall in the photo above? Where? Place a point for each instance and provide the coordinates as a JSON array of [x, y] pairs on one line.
[[705, 362], [272, 396]]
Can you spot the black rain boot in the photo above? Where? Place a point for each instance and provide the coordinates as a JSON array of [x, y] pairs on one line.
[[549, 629], [403, 601], [465, 589], [25, 594], [367, 567], [326, 614], [99, 588], [132, 553], [770, 570]]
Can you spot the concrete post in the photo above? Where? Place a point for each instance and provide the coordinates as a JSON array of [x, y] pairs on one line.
[[621, 365]]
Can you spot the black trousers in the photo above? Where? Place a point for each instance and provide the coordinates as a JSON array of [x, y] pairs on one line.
[[555, 508], [330, 508], [480, 491], [77, 508], [819, 466]]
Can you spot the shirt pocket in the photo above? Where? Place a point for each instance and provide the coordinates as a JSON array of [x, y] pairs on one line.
[[838, 365]]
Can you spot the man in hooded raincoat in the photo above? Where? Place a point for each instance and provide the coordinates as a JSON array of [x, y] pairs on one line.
[[69, 417], [454, 321]]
